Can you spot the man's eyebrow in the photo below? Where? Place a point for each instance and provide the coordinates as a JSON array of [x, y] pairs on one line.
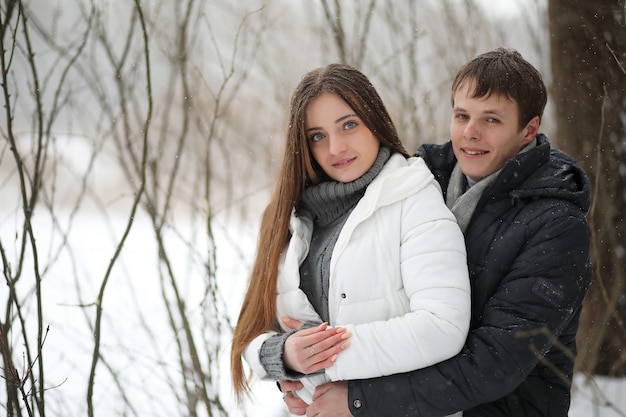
[[487, 111], [492, 111]]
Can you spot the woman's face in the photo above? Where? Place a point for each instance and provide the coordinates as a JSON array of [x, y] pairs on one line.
[[340, 142]]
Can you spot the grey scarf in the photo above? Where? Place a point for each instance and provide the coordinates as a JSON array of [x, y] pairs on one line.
[[462, 203]]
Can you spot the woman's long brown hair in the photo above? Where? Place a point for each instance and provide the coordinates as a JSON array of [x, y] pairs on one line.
[[298, 170]]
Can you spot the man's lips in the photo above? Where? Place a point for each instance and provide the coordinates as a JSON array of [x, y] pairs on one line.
[[343, 162], [474, 152]]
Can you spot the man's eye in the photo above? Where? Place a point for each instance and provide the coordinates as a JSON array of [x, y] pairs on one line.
[[493, 120]]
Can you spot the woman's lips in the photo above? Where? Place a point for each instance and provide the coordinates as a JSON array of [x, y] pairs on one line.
[[343, 162]]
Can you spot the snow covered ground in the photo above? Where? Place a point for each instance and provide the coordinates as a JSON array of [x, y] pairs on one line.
[[600, 397]]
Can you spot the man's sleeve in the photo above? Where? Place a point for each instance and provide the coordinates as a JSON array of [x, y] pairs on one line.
[[538, 297]]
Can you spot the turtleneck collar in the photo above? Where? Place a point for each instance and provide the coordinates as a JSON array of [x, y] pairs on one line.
[[326, 201]]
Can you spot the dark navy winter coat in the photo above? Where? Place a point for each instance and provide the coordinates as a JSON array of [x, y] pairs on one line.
[[528, 255]]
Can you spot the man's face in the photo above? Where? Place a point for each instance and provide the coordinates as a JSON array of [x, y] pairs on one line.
[[485, 132]]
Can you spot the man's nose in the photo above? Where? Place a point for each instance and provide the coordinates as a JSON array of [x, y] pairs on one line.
[[471, 130]]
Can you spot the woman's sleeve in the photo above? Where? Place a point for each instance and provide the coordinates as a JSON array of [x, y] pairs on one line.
[[252, 356], [264, 355]]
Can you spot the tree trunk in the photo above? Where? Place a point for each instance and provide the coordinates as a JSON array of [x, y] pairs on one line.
[[588, 50]]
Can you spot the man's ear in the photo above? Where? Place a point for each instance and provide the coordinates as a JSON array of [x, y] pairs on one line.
[[531, 129]]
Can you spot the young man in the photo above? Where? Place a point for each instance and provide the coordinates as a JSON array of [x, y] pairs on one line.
[[522, 207]]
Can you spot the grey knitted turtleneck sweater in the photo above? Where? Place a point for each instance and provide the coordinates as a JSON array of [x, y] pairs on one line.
[[329, 204]]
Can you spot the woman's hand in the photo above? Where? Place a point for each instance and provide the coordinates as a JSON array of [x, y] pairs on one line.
[[316, 348]]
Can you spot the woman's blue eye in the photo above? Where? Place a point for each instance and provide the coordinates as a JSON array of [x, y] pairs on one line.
[[350, 125], [317, 137]]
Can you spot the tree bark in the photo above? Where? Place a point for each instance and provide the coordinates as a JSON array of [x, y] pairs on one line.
[[588, 53]]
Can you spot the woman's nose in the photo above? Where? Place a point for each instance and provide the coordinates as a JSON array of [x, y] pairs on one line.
[[336, 144]]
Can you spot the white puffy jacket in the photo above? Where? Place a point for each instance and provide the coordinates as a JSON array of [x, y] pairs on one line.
[[398, 279]]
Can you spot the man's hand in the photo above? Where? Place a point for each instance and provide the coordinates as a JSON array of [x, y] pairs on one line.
[[293, 324], [296, 406], [330, 400]]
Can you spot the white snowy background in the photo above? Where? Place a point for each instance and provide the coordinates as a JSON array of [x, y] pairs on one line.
[[138, 343]]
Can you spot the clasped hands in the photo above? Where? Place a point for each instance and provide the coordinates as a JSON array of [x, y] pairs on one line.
[[313, 349], [308, 351]]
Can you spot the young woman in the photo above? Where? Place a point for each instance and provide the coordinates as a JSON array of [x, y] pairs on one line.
[[356, 243]]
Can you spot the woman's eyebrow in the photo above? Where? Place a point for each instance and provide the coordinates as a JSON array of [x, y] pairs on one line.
[[345, 117]]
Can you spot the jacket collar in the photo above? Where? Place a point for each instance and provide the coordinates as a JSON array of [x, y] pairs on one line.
[[540, 172]]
